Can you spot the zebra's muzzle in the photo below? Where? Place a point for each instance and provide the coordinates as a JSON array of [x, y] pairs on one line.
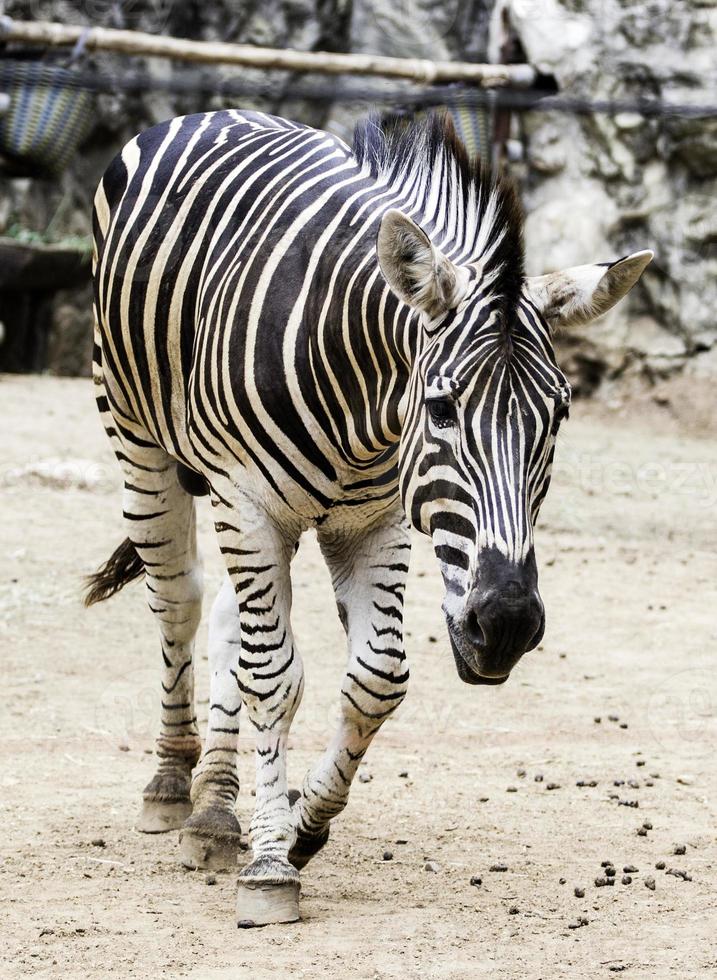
[[502, 619]]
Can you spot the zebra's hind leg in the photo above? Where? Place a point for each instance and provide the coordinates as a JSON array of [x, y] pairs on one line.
[[161, 525], [211, 837], [369, 571]]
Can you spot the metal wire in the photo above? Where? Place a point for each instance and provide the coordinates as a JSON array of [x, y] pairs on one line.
[[278, 89]]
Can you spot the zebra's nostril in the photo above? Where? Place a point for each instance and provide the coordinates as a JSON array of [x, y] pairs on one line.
[[473, 629]]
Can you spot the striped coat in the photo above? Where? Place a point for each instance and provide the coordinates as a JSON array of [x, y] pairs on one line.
[[329, 337]]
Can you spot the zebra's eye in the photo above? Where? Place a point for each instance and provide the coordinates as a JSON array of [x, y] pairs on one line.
[[442, 411]]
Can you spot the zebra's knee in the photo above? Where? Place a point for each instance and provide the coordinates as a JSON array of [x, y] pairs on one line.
[[176, 601], [271, 686], [370, 693]]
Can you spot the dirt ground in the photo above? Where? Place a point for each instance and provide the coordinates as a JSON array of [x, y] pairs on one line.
[[624, 688]]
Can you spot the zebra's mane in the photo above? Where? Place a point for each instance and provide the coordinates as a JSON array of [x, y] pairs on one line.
[[472, 214]]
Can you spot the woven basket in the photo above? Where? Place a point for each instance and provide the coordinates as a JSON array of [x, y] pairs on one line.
[[50, 113], [474, 125]]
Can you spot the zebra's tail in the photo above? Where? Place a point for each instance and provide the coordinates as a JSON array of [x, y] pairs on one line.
[[121, 568]]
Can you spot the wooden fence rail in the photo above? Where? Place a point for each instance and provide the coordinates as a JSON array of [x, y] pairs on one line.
[[46, 33]]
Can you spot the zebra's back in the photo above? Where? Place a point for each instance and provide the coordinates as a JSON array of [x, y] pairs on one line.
[[216, 237]]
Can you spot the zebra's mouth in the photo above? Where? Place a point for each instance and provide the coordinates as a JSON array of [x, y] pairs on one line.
[[465, 663]]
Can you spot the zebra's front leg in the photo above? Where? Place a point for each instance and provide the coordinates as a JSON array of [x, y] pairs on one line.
[[211, 837], [369, 571], [271, 679]]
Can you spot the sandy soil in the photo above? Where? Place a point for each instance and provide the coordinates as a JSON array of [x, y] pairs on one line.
[[627, 553]]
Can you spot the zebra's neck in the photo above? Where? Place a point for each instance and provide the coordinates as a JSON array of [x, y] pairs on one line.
[[361, 355]]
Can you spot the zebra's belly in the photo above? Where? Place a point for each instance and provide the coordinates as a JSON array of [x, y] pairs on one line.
[[358, 500]]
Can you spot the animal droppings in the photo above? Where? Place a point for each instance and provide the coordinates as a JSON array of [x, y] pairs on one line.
[[388, 855], [630, 869], [679, 849], [579, 892], [582, 921], [676, 873], [498, 867], [650, 883], [476, 881], [432, 866], [660, 865], [647, 825], [626, 880]]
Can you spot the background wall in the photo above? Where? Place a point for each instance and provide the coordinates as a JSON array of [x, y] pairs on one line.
[[595, 187], [601, 186]]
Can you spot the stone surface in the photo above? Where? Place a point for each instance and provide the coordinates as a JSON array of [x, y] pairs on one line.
[[597, 187]]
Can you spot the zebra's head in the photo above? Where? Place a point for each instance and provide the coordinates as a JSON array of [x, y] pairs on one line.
[[482, 411]]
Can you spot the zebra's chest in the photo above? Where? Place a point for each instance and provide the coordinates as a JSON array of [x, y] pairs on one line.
[[295, 494]]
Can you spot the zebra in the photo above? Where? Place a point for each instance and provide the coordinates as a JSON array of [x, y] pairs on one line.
[[329, 337]]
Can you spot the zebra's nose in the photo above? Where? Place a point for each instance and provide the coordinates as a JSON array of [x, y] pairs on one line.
[[502, 623]]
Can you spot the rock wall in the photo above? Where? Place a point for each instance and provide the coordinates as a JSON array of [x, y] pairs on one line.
[[598, 186]]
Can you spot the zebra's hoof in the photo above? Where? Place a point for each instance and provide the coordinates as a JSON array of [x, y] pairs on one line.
[[160, 816], [210, 839], [269, 904], [305, 845], [267, 894]]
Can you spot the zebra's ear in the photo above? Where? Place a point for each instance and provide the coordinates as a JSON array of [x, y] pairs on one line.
[[417, 271], [583, 293]]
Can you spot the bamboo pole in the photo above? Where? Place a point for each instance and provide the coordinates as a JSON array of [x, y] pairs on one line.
[[47, 33]]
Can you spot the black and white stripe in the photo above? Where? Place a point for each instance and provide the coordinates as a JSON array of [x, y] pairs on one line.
[[250, 331]]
